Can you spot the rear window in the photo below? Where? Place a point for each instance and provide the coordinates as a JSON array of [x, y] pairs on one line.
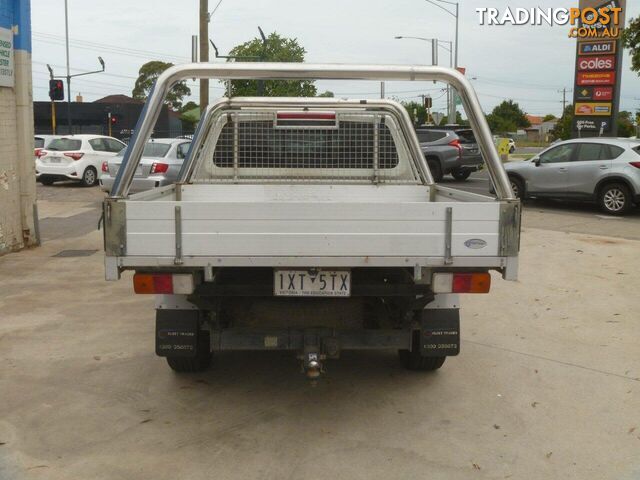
[[60, 144], [152, 149], [39, 142], [466, 136], [427, 136], [349, 146]]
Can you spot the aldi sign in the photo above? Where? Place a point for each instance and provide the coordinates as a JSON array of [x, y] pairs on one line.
[[597, 48], [596, 63]]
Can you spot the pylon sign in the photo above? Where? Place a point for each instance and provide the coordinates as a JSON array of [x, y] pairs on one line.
[[598, 67]]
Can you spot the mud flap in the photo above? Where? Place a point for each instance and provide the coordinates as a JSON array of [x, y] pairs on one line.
[[177, 333], [440, 333]]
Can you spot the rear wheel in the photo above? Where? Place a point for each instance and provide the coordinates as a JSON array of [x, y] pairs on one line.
[[436, 170], [615, 199], [46, 181], [89, 177], [461, 175], [199, 363], [413, 360]]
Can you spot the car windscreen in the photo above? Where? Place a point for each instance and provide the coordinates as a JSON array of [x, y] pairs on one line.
[[466, 136], [152, 149], [60, 144]]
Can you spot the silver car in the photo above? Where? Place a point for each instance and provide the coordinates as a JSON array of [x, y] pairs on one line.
[[604, 170], [161, 162]]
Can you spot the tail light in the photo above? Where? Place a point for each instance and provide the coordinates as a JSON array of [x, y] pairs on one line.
[[163, 283], [159, 168], [40, 152], [461, 282], [74, 155], [635, 164], [456, 143], [105, 167]]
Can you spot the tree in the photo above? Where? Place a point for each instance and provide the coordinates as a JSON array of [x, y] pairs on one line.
[[548, 117], [626, 128], [414, 108], [147, 76], [275, 49], [563, 129], [327, 94], [507, 117], [459, 120], [631, 40]]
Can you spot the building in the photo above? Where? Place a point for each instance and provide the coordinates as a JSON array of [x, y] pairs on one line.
[[17, 168], [540, 131], [114, 115]]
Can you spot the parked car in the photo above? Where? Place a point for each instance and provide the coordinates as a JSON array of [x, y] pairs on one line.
[[310, 227], [40, 142], [161, 162], [604, 170], [75, 157], [453, 151]]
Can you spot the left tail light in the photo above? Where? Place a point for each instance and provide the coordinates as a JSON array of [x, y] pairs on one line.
[[40, 152], [74, 155], [461, 283], [159, 167], [456, 143], [163, 283], [105, 167]]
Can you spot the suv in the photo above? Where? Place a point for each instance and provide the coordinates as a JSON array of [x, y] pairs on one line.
[[453, 151], [605, 170]]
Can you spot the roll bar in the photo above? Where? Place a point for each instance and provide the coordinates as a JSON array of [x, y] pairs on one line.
[[307, 71]]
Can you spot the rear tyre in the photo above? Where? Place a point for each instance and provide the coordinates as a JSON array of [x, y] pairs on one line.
[[46, 181], [413, 360], [89, 177], [436, 170], [196, 364], [615, 199], [517, 186], [461, 175]]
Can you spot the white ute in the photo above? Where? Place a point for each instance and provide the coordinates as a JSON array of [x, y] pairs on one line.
[[311, 225]]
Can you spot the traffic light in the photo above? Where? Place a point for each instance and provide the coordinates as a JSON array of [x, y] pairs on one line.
[[115, 119], [56, 90], [428, 102]]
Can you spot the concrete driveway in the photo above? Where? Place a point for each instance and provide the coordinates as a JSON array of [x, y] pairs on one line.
[[547, 384]]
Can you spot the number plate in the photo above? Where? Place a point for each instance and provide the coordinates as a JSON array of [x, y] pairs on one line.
[[55, 160], [312, 283]]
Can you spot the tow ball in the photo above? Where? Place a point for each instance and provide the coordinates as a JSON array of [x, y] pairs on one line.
[[312, 363]]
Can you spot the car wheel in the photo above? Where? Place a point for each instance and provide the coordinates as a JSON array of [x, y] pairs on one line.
[[412, 360], [517, 186], [615, 199], [461, 175], [89, 177], [46, 181], [199, 363], [436, 170]]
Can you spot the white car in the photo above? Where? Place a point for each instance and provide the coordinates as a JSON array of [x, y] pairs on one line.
[[75, 157], [160, 165]]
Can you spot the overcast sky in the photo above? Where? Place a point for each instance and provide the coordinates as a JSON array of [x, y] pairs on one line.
[[527, 64]]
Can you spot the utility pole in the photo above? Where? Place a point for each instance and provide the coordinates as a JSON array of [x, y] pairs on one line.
[[382, 95], [204, 52], [564, 100], [66, 34]]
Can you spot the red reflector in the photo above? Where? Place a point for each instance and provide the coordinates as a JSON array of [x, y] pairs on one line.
[[306, 116], [461, 283], [163, 283], [635, 164], [159, 168]]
